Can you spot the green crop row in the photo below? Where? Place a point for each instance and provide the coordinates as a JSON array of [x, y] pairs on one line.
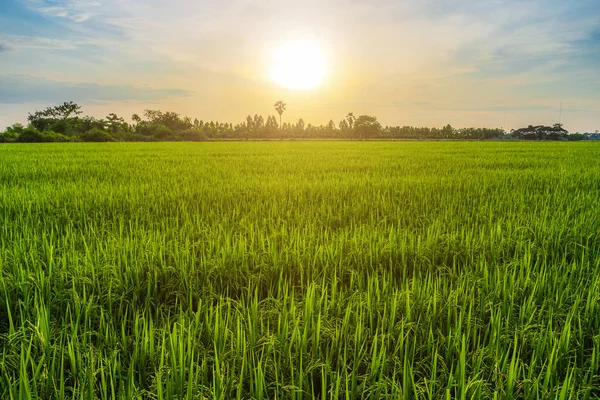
[[332, 270]]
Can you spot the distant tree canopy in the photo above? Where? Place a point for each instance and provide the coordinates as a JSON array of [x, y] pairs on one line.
[[57, 118], [65, 123], [367, 127], [541, 132]]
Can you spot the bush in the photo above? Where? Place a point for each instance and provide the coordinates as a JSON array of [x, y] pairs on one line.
[[131, 137], [11, 133], [174, 137], [61, 127], [51, 136], [15, 128], [155, 130], [6, 137], [193, 135], [163, 133], [97, 135], [32, 135]]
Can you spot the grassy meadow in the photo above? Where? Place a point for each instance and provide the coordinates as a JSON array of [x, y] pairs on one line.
[[280, 270]]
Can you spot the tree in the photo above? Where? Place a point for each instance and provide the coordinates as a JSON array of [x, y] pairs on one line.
[[280, 108], [31, 135], [272, 126], [11, 133], [541, 132], [96, 135], [259, 125], [350, 118], [115, 123], [343, 125], [367, 126], [169, 119], [331, 128], [56, 118], [63, 123], [299, 129], [249, 125], [65, 110], [447, 131]]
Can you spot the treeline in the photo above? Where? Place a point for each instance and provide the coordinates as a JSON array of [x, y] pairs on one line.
[[64, 123]]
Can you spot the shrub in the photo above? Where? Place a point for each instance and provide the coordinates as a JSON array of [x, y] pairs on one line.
[[51, 136], [193, 135], [63, 127], [155, 130], [163, 133], [97, 135], [6, 137], [11, 133], [31, 135], [131, 137]]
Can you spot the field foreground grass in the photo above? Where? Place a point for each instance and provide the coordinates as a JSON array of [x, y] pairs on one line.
[[332, 270]]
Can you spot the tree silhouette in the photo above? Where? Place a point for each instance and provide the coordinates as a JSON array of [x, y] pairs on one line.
[[249, 125], [54, 118], [114, 123], [541, 132], [65, 110], [63, 123], [350, 118], [367, 127], [280, 108]]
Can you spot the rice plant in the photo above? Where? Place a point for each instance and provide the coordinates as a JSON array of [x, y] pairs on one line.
[[332, 270]]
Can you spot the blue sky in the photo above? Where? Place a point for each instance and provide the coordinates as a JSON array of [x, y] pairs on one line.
[[416, 62]]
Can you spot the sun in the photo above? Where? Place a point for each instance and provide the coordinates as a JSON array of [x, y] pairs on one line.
[[298, 65]]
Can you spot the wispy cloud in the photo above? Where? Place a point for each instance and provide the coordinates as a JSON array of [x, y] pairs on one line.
[[495, 38], [4, 47], [502, 109], [36, 42], [23, 89], [461, 56], [77, 11]]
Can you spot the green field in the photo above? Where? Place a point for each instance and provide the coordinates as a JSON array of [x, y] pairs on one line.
[[338, 270]]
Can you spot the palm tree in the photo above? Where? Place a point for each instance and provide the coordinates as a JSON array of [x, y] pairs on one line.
[[280, 108], [351, 118]]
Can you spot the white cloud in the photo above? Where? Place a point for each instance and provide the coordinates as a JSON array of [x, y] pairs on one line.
[[408, 36], [25, 89], [383, 51], [36, 42], [77, 11]]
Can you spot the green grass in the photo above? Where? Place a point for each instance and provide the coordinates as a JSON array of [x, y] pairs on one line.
[[297, 270]]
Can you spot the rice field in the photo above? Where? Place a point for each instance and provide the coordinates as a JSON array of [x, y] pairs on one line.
[[330, 270]]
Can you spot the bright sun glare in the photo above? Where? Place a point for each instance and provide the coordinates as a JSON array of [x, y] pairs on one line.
[[298, 65]]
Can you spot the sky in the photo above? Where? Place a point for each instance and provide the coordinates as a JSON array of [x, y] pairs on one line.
[[493, 63]]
